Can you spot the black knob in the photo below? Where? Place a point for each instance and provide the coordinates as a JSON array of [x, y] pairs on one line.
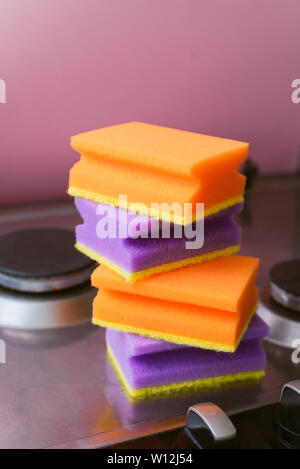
[[287, 421], [208, 427]]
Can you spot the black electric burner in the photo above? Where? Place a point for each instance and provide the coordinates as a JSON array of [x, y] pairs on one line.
[[42, 260], [44, 280], [285, 284], [279, 304]]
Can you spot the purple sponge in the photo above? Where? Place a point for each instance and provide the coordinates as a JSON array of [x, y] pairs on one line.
[[160, 369], [135, 255]]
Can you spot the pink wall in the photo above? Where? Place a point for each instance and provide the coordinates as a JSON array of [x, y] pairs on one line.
[[223, 67]]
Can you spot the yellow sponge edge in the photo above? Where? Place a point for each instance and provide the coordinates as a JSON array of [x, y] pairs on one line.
[[174, 338], [167, 389], [160, 215], [133, 276]]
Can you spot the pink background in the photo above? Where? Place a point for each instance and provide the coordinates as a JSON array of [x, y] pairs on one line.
[[224, 67]]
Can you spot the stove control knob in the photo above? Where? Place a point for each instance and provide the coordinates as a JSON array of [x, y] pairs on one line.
[[287, 421], [208, 427]]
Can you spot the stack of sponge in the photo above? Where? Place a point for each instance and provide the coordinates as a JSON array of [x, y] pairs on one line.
[[169, 310]]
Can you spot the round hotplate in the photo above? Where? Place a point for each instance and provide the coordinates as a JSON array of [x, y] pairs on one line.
[[42, 260], [284, 323], [285, 283]]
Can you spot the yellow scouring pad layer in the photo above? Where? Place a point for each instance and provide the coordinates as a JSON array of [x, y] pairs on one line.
[[133, 276], [167, 216]]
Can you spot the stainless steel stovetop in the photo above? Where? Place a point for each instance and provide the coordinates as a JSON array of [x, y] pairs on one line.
[[57, 388]]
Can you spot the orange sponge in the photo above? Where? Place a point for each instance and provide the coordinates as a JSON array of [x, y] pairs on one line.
[[152, 164], [206, 305], [223, 283]]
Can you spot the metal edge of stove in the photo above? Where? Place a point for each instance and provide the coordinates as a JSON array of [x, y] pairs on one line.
[[48, 312], [138, 431], [284, 324]]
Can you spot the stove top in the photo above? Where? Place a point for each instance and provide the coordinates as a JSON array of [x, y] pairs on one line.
[[57, 387]]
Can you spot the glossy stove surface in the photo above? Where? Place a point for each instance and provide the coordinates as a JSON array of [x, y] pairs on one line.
[[57, 388]]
